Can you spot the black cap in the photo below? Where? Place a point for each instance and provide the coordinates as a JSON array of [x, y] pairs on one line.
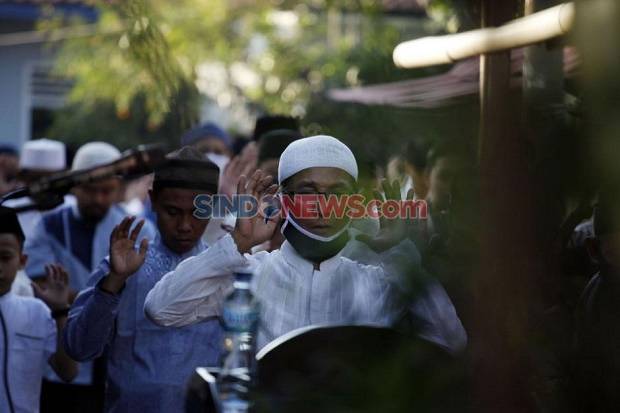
[[268, 123], [9, 224], [272, 144], [187, 168]]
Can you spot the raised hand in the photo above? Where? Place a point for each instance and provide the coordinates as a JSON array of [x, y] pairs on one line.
[[56, 292], [125, 260], [255, 230], [242, 164], [392, 231]]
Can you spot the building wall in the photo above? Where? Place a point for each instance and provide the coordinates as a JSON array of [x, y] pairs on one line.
[[16, 64]]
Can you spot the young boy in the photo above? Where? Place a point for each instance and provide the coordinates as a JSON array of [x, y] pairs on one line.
[[29, 331]]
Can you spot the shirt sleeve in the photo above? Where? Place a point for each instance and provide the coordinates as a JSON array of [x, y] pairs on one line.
[[51, 335], [196, 289], [434, 316], [436, 320], [90, 325], [403, 278]]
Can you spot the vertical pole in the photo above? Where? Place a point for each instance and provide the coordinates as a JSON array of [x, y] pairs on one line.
[[508, 260]]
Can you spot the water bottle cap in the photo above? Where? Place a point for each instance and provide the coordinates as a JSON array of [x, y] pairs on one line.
[[243, 276]]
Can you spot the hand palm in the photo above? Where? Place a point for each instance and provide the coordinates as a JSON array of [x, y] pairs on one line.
[[256, 229], [391, 231], [252, 231], [125, 259], [56, 293]]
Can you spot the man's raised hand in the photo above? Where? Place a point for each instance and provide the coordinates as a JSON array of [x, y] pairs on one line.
[[56, 293], [125, 259], [392, 231], [251, 231]]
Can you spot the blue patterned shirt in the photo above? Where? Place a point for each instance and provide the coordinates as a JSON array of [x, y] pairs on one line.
[[148, 366]]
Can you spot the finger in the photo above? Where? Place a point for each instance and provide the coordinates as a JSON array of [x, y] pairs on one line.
[[63, 275], [53, 274], [127, 225], [396, 189], [114, 234], [241, 185], [252, 182], [144, 246], [249, 151], [385, 185], [134, 234], [271, 190], [248, 168], [379, 197], [263, 184], [234, 167], [120, 227], [48, 271], [410, 194], [230, 165]]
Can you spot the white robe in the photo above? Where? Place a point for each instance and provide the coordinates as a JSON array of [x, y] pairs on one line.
[[293, 294]]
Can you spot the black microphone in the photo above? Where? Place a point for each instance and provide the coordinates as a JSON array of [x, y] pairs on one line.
[[132, 164]]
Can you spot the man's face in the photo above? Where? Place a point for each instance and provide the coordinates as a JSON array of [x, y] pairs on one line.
[[11, 261], [95, 199], [212, 145], [324, 181], [179, 228], [9, 168]]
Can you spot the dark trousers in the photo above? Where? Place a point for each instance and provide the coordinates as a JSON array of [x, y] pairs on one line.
[[71, 398]]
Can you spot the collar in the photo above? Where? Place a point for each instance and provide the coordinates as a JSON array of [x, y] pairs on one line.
[[303, 265]]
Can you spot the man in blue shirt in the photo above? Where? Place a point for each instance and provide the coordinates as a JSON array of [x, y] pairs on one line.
[[148, 366], [76, 235]]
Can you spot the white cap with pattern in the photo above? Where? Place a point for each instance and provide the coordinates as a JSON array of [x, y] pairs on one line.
[[94, 154], [43, 155], [314, 152]]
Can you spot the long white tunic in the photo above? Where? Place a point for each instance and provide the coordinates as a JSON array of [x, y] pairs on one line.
[[292, 293]]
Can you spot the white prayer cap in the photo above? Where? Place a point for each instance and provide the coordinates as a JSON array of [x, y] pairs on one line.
[[43, 155], [314, 152], [94, 154]]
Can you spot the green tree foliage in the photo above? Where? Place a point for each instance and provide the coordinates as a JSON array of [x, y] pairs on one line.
[[138, 76]]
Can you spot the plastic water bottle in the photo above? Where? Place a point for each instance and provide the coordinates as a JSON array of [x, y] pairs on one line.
[[240, 317]]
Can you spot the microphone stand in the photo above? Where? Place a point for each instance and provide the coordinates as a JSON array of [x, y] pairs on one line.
[[48, 192]]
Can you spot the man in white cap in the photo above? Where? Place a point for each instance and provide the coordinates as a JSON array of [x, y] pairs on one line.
[[39, 158], [77, 237], [307, 281]]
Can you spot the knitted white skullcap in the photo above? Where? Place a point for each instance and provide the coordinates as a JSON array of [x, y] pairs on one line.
[[43, 155], [94, 154], [314, 152]]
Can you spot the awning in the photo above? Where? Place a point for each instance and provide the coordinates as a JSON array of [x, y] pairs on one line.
[[434, 91]]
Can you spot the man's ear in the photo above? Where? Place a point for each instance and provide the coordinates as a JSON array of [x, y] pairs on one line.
[[23, 259], [593, 247]]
